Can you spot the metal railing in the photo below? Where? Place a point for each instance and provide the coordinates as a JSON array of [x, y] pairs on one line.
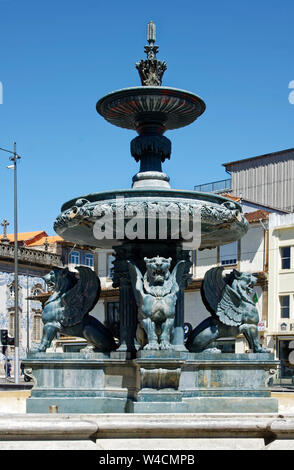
[[215, 186]]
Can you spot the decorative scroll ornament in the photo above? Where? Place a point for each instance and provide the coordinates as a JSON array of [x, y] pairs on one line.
[[151, 70]]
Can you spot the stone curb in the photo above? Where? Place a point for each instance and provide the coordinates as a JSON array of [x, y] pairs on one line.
[[69, 427]]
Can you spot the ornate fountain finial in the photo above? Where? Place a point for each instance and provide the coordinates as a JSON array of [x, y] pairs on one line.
[[151, 70]]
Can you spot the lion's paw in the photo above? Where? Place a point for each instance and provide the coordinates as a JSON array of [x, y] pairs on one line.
[[151, 345], [164, 345]]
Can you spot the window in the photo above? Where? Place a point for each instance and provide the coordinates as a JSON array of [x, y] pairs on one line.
[[285, 306], [37, 326], [285, 257], [229, 254], [89, 259], [287, 368], [12, 290], [37, 289], [110, 267], [75, 257], [11, 320], [11, 324]]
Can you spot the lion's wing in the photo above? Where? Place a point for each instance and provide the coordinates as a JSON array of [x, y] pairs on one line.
[[212, 288], [177, 274], [82, 298], [137, 282], [228, 309]]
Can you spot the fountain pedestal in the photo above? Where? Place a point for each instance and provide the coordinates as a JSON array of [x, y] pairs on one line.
[[154, 382]]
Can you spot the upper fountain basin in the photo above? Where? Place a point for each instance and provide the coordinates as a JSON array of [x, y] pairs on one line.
[[131, 107]]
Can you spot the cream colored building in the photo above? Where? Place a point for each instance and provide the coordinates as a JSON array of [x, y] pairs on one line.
[[280, 330]]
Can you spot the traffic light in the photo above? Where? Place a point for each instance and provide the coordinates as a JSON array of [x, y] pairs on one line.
[[4, 337], [10, 341]]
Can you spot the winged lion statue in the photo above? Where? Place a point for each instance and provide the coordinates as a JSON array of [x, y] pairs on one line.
[[156, 295], [67, 309], [229, 300]]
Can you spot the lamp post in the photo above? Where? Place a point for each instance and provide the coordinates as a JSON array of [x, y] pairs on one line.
[[14, 159]]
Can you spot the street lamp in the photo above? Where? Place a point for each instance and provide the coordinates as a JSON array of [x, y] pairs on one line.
[[14, 159]]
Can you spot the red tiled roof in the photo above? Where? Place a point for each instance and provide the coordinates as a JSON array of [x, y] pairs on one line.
[[230, 196], [37, 238], [26, 237], [50, 239], [256, 215]]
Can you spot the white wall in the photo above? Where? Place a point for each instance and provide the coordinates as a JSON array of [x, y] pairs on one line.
[[252, 249], [103, 268], [98, 311], [205, 260], [195, 312]]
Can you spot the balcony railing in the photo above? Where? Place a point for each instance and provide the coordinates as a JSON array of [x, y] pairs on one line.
[[220, 186], [31, 256]]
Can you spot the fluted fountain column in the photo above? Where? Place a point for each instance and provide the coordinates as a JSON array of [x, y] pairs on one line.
[[127, 303], [178, 339]]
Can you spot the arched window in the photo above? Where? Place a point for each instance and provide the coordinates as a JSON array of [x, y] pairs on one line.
[[37, 289], [75, 257], [11, 290], [89, 259]]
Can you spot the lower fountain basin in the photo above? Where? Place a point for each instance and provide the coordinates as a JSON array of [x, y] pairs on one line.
[[212, 219]]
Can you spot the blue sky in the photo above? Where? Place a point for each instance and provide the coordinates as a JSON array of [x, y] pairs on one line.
[[58, 58]]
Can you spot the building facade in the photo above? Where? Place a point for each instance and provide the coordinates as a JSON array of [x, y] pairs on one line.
[[280, 332], [38, 253], [33, 265], [266, 179]]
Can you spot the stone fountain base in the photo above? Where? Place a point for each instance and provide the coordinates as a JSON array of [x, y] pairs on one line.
[[153, 382]]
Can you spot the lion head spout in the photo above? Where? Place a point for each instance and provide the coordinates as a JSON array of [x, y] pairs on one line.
[[157, 279], [243, 283], [157, 270]]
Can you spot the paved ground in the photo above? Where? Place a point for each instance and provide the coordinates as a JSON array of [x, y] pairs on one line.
[[9, 383]]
